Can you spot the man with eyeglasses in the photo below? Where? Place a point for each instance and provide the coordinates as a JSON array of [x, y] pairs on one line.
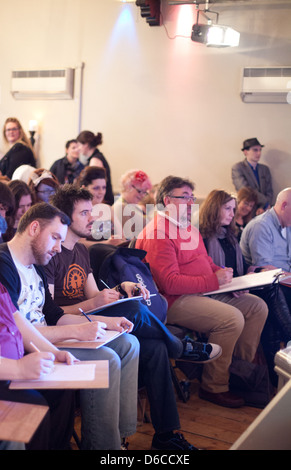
[[183, 271]]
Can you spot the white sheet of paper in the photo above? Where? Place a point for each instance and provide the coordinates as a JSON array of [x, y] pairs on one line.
[[96, 343], [64, 372], [248, 281]]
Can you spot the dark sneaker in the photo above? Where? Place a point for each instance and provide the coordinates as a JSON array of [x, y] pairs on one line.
[[200, 352], [124, 444], [177, 442]]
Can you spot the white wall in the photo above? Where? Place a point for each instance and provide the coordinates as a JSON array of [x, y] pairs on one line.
[[163, 105]]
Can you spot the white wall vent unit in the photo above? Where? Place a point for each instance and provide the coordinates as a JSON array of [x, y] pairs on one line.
[[266, 85], [43, 84]]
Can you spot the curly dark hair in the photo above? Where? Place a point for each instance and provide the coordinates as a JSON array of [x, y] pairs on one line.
[[66, 197]]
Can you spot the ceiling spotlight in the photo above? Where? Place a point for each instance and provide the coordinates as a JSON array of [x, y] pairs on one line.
[[215, 35]]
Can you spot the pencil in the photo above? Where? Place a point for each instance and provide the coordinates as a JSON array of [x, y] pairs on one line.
[[83, 313], [34, 347]]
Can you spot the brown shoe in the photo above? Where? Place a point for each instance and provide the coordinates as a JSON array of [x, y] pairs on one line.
[[228, 399]]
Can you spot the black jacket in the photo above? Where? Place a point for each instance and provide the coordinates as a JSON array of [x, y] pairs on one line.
[[10, 279], [18, 155], [63, 170]]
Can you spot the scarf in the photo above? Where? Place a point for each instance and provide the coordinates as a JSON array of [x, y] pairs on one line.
[[217, 254]]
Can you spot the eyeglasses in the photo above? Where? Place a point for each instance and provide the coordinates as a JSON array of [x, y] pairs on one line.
[[47, 191], [185, 198], [248, 204], [12, 129], [140, 191]]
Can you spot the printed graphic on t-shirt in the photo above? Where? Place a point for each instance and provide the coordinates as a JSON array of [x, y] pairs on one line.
[[31, 301], [74, 282]]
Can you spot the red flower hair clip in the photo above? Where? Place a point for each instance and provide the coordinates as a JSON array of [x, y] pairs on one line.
[[140, 176]]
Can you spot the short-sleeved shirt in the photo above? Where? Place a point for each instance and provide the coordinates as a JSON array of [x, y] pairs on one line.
[[68, 272], [32, 295], [11, 280]]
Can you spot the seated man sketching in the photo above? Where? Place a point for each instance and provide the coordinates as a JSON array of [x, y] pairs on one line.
[[73, 286], [37, 240], [183, 271]]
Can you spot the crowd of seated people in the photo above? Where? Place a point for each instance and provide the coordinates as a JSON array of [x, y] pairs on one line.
[[248, 318]]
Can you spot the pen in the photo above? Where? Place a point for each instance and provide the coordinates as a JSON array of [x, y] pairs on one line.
[[34, 347], [83, 313], [105, 284]]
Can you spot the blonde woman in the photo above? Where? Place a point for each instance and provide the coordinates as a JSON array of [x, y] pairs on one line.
[[19, 148]]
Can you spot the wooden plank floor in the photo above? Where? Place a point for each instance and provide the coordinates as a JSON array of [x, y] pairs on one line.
[[204, 424]]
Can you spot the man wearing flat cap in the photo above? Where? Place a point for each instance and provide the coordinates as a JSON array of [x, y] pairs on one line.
[[252, 174]]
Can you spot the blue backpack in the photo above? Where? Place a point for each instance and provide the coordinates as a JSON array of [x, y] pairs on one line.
[[117, 264]]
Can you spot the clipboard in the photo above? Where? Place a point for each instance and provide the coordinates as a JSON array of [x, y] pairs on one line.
[[95, 344], [119, 301], [248, 282], [285, 280]]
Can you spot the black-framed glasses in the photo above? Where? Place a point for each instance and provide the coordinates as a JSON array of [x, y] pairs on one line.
[[12, 129], [140, 191], [185, 198]]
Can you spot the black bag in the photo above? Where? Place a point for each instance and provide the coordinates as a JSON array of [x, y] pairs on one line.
[[115, 265], [251, 381]]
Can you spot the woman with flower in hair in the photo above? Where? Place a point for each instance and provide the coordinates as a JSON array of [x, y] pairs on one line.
[[19, 148], [135, 185]]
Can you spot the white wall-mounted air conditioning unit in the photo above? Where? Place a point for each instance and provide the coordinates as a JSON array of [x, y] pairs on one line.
[[266, 85], [43, 84]]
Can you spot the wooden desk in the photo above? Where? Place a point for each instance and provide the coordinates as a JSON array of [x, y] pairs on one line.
[[101, 379], [19, 421]]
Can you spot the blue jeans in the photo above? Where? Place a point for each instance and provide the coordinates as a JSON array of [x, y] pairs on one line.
[[110, 414], [157, 344]]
